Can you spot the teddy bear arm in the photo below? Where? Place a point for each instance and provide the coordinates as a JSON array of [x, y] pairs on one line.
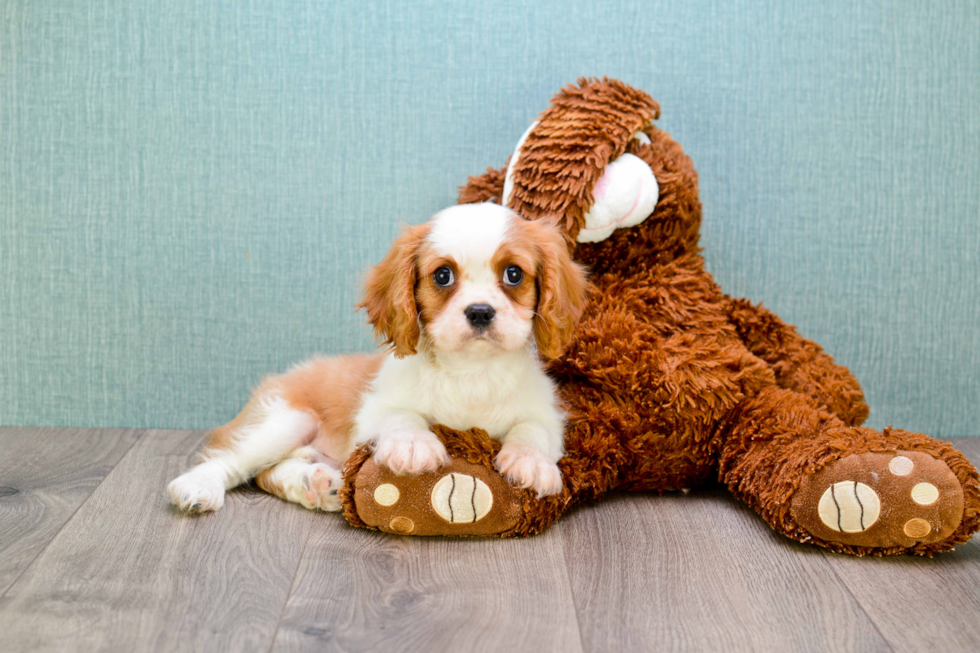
[[487, 187], [466, 497], [799, 364]]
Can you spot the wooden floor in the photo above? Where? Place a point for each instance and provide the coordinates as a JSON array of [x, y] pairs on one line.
[[92, 558]]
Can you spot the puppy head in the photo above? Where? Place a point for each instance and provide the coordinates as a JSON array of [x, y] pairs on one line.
[[476, 279]]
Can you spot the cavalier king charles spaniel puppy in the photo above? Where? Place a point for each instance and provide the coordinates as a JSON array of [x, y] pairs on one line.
[[468, 304]]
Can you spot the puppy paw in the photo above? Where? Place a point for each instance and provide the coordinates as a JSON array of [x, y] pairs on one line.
[[411, 452], [314, 486], [197, 492], [526, 467]]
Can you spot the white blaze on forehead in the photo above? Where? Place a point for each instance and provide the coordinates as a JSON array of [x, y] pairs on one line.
[[470, 233]]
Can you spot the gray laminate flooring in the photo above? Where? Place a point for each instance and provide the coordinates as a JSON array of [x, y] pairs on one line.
[[92, 558]]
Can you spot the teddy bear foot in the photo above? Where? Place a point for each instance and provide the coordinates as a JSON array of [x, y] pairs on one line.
[[881, 501], [461, 498]]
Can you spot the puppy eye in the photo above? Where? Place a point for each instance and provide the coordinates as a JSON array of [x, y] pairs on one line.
[[443, 277], [513, 275]]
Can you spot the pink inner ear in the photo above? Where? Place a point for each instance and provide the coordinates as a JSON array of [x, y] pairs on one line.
[[599, 191]]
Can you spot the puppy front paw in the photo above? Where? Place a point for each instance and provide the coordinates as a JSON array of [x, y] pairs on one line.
[[196, 492], [411, 452], [526, 467]]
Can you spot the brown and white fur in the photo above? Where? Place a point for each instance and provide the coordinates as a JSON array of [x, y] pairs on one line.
[[447, 363]]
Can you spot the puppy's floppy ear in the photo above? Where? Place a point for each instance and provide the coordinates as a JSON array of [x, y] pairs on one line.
[[562, 290], [389, 294]]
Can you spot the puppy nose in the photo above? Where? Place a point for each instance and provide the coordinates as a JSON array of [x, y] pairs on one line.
[[479, 315]]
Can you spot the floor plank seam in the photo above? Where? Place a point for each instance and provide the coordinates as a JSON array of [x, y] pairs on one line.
[[847, 588], [139, 434], [571, 590], [292, 584]]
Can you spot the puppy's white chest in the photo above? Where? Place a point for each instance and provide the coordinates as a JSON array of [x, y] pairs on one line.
[[469, 401]]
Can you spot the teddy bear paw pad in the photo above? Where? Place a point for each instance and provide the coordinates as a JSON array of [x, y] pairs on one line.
[[881, 500], [461, 499]]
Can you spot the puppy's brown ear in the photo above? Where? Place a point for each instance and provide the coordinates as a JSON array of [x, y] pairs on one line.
[[562, 290], [389, 294]]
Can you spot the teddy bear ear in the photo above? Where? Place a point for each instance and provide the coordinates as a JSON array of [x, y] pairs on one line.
[[563, 155]]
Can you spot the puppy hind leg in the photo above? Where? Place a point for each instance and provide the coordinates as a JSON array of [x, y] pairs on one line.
[[304, 478], [267, 431]]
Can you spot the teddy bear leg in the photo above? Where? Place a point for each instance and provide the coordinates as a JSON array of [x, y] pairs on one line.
[[849, 489], [799, 364]]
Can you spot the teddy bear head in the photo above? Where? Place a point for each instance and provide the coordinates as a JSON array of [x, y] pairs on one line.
[[622, 190]]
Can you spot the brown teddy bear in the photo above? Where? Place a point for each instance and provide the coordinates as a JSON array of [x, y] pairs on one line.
[[669, 383]]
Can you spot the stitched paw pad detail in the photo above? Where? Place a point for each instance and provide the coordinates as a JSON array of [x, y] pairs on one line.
[[849, 507], [461, 498]]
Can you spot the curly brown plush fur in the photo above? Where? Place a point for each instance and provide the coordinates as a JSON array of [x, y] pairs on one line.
[[670, 384]]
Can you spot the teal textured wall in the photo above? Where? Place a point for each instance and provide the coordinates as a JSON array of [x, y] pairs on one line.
[[190, 191]]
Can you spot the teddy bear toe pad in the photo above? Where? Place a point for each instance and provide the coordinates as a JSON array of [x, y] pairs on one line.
[[881, 500], [461, 499]]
